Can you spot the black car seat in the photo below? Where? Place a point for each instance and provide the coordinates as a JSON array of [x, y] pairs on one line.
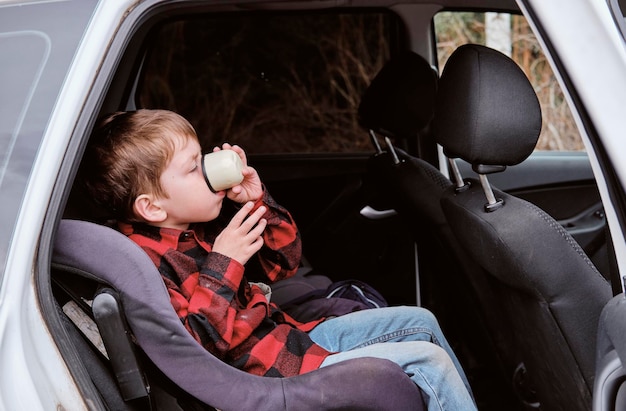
[[399, 104], [100, 253], [488, 115], [399, 101]]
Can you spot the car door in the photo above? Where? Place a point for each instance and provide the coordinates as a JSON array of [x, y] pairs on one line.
[[610, 380]]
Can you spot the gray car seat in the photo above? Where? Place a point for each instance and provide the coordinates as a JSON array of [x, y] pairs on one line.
[[101, 253], [488, 115]]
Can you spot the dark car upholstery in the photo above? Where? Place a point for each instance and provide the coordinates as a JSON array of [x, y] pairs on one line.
[[488, 115], [400, 104]]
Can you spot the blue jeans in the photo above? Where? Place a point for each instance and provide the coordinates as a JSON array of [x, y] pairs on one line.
[[410, 337]]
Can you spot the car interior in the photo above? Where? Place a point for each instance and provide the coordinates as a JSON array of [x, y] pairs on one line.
[[422, 180]]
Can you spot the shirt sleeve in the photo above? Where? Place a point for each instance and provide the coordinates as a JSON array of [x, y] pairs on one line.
[[282, 249], [207, 289]]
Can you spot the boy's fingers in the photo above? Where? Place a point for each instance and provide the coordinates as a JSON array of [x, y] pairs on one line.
[[244, 219], [258, 243], [258, 229], [240, 152], [253, 219], [241, 215]]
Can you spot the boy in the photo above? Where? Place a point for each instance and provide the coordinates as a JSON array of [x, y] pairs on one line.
[[145, 166]]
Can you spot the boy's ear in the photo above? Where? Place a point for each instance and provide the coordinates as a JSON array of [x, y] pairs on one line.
[[149, 209]]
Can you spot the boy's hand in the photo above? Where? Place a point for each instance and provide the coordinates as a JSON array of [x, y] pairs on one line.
[[251, 188], [242, 236]]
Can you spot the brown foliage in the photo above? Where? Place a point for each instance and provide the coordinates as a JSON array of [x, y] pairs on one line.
[[559, 131], [292, 83], [278, 84]]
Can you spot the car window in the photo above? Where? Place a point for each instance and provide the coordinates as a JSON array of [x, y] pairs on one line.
[[512, 35], [271, 83], [37, 44], [32, 49]]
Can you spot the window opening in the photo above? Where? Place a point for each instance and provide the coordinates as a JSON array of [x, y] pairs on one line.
[[271, 83], [511, 34]]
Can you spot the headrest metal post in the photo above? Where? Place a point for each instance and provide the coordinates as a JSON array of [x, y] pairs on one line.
[[374, 139], [457, 178], [492, 203], [394, 155]]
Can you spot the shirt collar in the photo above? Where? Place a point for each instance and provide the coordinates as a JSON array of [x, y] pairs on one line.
[[163, 235]]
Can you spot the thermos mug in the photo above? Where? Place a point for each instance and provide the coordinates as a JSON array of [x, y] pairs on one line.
[[222, 169]]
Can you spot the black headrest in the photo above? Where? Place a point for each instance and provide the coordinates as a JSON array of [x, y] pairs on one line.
[[400, 100], [487, 112], [109, 256]]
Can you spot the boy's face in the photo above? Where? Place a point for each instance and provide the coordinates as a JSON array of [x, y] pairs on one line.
[[190, 199]]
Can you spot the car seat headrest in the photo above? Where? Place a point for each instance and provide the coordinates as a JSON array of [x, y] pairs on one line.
[[399, 101], [487, 112]]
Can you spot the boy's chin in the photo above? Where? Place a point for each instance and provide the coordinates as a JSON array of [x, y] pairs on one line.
[[213, 215]]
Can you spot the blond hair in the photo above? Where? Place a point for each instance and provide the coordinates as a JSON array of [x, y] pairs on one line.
[[127, 155]]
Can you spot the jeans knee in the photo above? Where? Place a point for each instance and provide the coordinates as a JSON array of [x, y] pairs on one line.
[[422, 316], [436, 357], [429, 316], [440, 356]]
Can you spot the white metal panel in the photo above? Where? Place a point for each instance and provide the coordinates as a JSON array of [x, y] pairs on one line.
[[30, 360]]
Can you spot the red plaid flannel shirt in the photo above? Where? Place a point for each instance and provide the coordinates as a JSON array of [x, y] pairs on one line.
[[229, 317]]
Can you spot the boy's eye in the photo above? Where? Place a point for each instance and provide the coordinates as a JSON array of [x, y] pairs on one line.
[[194, 167]]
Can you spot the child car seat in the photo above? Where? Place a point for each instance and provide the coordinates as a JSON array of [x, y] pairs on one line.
[[107, 255]]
